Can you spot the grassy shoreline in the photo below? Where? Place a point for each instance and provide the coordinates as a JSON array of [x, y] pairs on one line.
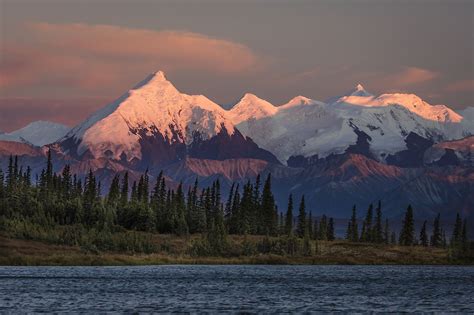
[[17, 252]]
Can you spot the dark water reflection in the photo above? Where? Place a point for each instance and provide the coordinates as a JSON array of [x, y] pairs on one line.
[[237, 289]]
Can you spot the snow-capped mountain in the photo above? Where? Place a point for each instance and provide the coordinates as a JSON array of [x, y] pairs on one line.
[[37, 133], [353, 148], [389, 118], [155, 123], [359, 90], [286, 132], [357, 120], [251, 107]]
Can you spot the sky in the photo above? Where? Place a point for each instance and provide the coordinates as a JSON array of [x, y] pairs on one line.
[[61, 60]]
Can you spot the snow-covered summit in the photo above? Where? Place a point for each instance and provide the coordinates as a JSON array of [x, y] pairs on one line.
[[156, 80], [359, 90], [298, 101], [37, 133], [411, 102], [153, 106], [251, 106], [307, 127]]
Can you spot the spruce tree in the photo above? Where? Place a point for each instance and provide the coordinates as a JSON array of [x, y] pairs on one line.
[[90, 200], [330, 230], [378, 232], [362, 232], [162, 203], [457, 231], [406, 234], [192, 208], [145, 188], [49, 170], [181, 226], [200, 215], [301, 226], [228, 205], [66, 182], [268, 208], [323, 228], [2, 185], [217, 235], [349, 231], [134, 192], [114, 193], [436, 237], [281, 224], [423, 235], [354, 227], [366, 235], [289, 216], [155, 202], [310, 224], [11, 174], [124, 191], [315, 235], [257, 217], [235, 220]]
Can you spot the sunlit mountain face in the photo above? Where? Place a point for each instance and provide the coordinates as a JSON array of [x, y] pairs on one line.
[[392, 147]]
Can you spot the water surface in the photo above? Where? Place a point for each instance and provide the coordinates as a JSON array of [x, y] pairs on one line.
[[237, 289]]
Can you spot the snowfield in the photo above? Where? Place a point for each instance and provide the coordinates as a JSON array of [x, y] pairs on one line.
[[307, 127], [154, 105], [37, 133], [301, 127]]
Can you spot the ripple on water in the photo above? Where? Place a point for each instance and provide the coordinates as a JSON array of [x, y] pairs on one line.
[[237, 288]]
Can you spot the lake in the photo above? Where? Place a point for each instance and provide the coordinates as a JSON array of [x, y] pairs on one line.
[[237, 289]]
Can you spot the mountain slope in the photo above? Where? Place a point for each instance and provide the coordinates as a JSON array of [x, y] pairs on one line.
[[355, 149], [456, 152], [311, 129], [251, 107], [155, 124], [340, 182], [153, 106], [37, 133]]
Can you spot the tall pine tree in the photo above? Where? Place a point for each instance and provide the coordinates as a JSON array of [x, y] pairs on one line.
[[407, 232], [289, 216], [301, 226]]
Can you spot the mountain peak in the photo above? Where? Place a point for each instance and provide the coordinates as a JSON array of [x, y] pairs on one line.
[[250, 96], [37, 133], [298, 100], [159, 74], [359, 90], [251, 106], [155, 80], [250, 99], [153, 109]]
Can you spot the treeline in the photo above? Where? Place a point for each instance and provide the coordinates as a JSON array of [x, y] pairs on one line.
[[66, 200], [376, 230], [35, 210]]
